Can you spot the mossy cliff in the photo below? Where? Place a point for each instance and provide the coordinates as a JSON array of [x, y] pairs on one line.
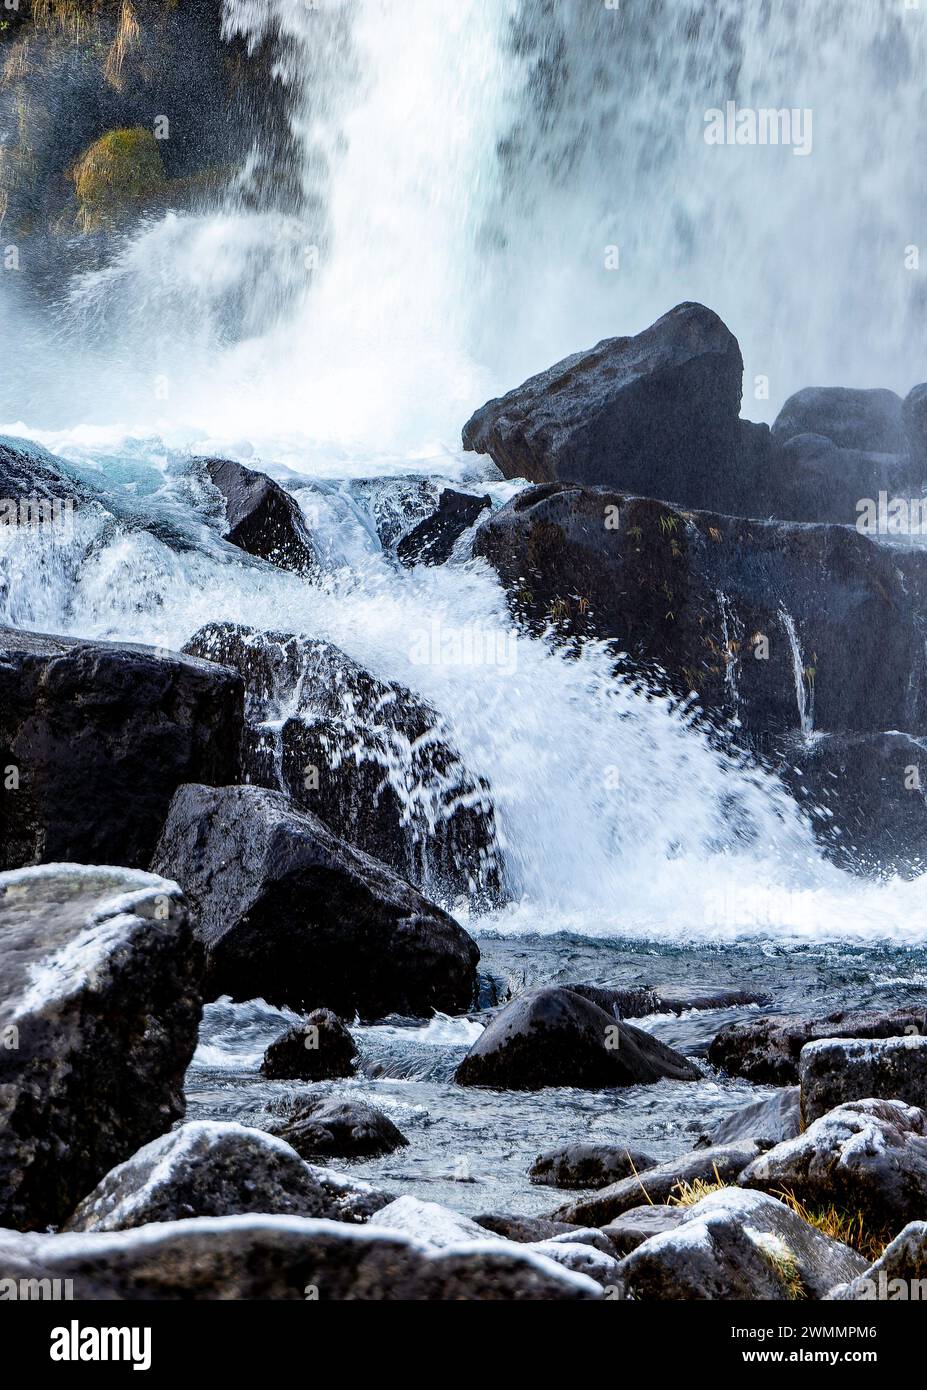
[[109, 107]]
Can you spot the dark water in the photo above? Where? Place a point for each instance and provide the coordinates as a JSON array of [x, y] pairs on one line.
[[470, 1149]]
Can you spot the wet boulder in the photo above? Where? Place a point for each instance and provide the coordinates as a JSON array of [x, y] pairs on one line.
[[721, 1163], [867, 1156], [766, 1050], [750, 616], [915, 424], [289, 912], [95, 738], [99, 1008], [633, 1227], [656, 414], [864, 795], [868, 420], [588, 1165], [212, 1168], [326, 1127], [29, 473], [283, 1258], [320, 1048], [523, 1229], [769, 1120], [738, 1245], [813, 479], [433, 539], [375, 762], [836, 1070], [263, 519], [553, 1037]]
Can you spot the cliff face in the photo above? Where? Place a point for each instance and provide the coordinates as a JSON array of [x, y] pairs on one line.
[[112, 107]]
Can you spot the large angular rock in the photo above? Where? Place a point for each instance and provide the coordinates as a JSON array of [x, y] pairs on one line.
[[900, 1273], [262, 519], [99, 1008], [721, 1163], [318, 1049], [554, 1037], [852, 419], [655, 414], [868, 1156], [588, 1165], [751, 616], [836, 1070], [95, 738], [372, 760], [290, 913], [738, 1245], [212, 1168], [768, 1121], [433, 539], [766, 1050], [284, 1257], [326, 1127]]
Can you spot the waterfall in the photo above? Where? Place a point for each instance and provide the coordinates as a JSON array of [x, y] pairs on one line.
[[804, 682]]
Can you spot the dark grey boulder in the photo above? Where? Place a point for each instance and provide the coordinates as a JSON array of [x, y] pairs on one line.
[[588, 1165], [898, 1275], [656, 414], [738, 1245], [396, 506], [750, 616], [100, 735], [836, 1070], [766, 1050], [814, 479], [283, 1258], [915, 424], [867, 1156], [523, 1229], [433, 539], [721, 1163], [633, 1227], [865, 796], [211, 1168], [29, 472], [553, 1037], [637, 1001], [769, 1120], [370, 758], [263, 519], [99, 1008], [290, 913], [318, 1049], [870, 420], [326, 1127]]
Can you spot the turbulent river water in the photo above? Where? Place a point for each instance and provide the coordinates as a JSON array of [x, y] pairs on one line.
[[465, 169]]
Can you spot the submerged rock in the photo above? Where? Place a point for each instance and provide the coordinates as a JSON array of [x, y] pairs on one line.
[[318, 1049], [99, 1008], [654, 414], [326, 1127], [211, 1168], [766, 1050], [833, 1071], [290, 913], [372, 760], [738, 1245], [433, 539], [868, 1156], [263, 519], [588, 1165], [554, 1037], [721, 1163], [95, 738], [284, 1258]]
